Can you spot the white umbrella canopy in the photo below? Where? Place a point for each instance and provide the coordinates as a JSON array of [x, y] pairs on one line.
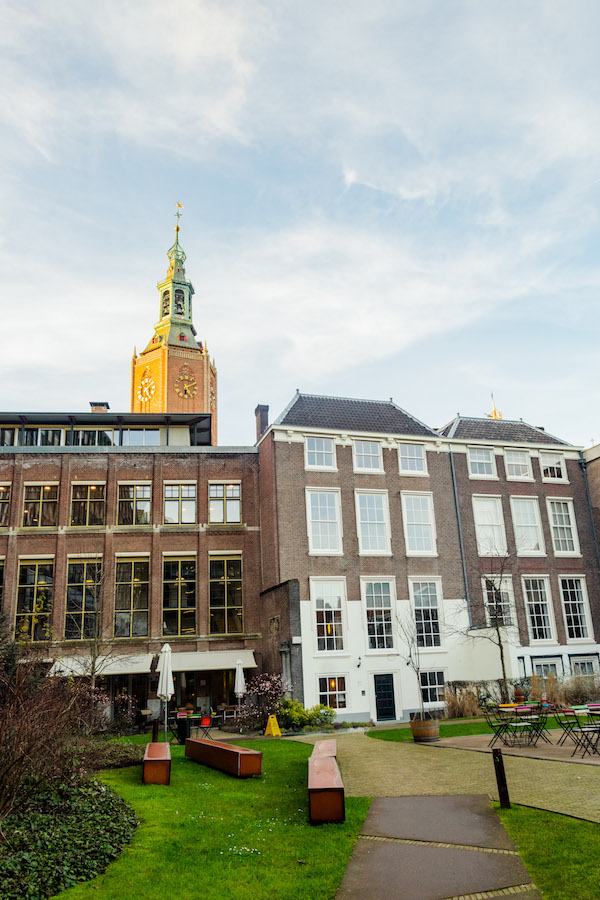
[[240, 682], [165, 679]]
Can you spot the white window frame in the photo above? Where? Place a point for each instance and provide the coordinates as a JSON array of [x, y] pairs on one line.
[[493, 476], [588, 658], [546, 579], [431, 704], [504, 584], [378, 579], [316, 468], [482, 551], [346, 691], [435, 579], [313, 582], [569, 501], [429, 496], [365, 471], [547, 479], [411, 473], [338, 511], [538, 521], [529, 475], [586, 609], [386, 521], [548, 661]]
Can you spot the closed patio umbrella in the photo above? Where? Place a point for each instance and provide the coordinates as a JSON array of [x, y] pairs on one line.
[[165, 679], [240, 681]]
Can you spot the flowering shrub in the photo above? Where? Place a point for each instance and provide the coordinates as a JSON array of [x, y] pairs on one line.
[[320, 715], [92, 708], [125, 713], [262, 699]]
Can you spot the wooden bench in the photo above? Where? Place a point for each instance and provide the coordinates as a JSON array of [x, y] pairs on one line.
[[325, 785], [238, 761], [157, 764]]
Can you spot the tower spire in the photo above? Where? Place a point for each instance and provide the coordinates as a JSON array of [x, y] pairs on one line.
[[495, 413]]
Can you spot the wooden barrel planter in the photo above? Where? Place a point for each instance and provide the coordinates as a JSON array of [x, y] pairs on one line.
[[425, 730]]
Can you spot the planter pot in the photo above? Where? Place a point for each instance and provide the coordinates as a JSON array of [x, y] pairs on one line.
[[425, 731]]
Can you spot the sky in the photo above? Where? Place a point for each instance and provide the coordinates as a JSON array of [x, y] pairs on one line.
[[382, 199]]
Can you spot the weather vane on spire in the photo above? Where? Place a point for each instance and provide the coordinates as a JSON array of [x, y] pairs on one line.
[[495, 414], [176, 251]]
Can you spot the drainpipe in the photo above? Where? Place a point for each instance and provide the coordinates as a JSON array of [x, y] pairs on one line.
[[460, 539], [583, 465]]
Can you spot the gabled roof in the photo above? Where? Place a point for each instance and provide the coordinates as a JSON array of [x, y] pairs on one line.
[[506, 431], [348, 414]]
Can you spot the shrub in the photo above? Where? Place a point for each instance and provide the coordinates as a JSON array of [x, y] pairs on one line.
[[62, 835], [320, 715], [461, 703], [97, 753], [125, 713], [292, 714]]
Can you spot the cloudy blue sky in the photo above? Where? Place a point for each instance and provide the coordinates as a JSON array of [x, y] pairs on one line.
[[381, 199]]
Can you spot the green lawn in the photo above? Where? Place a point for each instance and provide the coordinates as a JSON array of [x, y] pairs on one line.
[[562, 854], [447, 729], [208, 834]]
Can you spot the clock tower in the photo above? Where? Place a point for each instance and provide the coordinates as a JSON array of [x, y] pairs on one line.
[[175, 374]]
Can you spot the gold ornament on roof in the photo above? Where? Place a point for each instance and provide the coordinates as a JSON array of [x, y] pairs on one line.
[[495, 413]]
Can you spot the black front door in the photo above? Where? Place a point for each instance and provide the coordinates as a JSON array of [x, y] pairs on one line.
[[384, 697]]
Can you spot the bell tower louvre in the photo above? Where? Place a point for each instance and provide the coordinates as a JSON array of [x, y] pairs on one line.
[[174, 374]]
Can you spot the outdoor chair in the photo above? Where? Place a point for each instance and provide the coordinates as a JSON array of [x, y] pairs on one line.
[[206, 724], [567, 725], [498, 726], [585, 736]]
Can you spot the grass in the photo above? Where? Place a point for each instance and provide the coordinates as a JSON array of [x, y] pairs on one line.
[[213, 835], [562, 854], [447, 729]]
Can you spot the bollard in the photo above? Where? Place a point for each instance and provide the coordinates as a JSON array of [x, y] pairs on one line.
[[501, 779]]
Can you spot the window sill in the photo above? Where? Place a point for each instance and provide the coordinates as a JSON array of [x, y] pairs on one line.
[[567, 554], [320, 469], [483, 477], [537, 554], [521, 479], [375, 553], [369, 471], [555, 481], [414, 554], [325, 552], [413, 474]]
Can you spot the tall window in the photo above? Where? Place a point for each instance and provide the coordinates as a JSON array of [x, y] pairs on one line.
[[432, 686], [132, 591], [378, 602], [7, 437], [327, 596], [323, 521], [553, 466], [412, 459], [529, 539], [367, 456], [489, 526], [166, 302], [427, 618], [332, 691], [4, 505], [419, 524], [180, 504], [89, 437], [34, 600], [518, 465], [575, 606], [179, 596], [562, 525], [134, 504], [84, 582], [224, 503], [40, 508], [481, 462], [41, 437], [373, 521], [87, 504], [497, 596], [538, 610], [226, 605], [320, 453]]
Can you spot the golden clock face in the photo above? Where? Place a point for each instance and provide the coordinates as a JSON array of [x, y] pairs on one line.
[[146, 388], [185, 385]]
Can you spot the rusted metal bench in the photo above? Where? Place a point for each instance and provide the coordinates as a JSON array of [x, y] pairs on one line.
[[157, 764], [325, 785], [238, 761]]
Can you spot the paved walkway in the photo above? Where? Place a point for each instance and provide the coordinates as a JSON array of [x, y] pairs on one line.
[[374, 768], [431, 848]]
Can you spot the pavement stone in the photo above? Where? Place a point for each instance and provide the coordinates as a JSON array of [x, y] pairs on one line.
[[374, 768]]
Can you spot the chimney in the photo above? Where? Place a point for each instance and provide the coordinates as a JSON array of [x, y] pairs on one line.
[[99, 406], [262, 420]]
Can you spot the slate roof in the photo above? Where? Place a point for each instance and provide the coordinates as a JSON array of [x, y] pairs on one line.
[[348, 414], [503, 430]]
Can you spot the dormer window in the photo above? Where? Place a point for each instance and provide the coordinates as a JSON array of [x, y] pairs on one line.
[[179, 303], [165, 303], [183, 337]]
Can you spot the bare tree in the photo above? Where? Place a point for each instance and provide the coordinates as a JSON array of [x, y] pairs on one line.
[[410, 652]]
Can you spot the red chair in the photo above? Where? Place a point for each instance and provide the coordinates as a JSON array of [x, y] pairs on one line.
[[205, 725]]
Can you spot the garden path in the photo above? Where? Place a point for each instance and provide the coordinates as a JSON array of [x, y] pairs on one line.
[[374, 768]]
